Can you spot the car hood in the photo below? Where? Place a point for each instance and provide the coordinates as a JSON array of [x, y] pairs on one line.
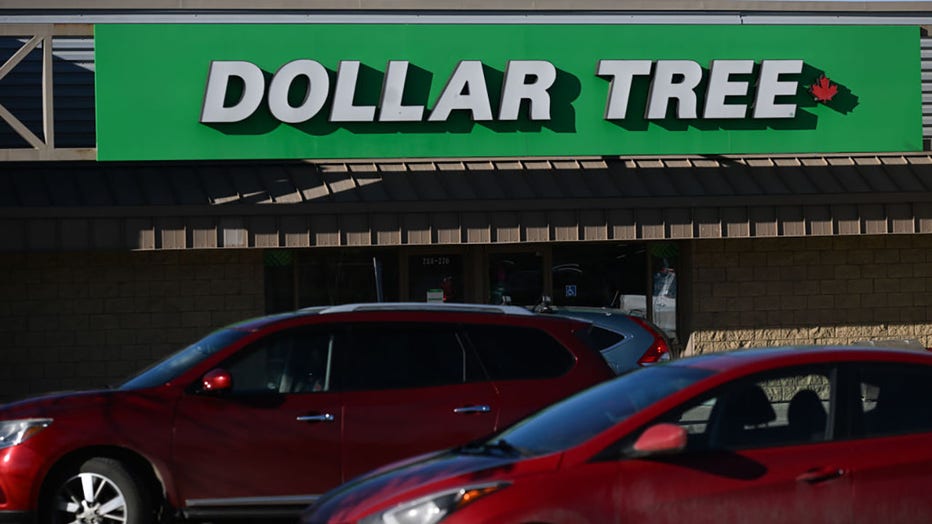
[[417, 477], [49, 403], [71, 403]]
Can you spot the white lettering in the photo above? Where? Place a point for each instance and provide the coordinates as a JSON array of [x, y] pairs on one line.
[[464, 90], [527, 80], [315, 98], [671, 81], [622, 73], [769, 87], [720, 87], [344, 95], [218, 80], [665, 87], [390, 106]]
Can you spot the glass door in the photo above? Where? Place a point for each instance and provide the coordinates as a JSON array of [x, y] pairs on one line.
[[516, 278], [435, 277]]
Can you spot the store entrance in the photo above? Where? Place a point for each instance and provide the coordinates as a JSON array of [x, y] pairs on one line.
[[601, 275], [436, 277], [516, 277], [634, 277]]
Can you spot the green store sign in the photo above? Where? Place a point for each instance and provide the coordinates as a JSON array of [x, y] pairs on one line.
[[199, 91]]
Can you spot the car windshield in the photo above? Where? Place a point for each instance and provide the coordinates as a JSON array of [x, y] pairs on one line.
[[584, 415], [169, 368]]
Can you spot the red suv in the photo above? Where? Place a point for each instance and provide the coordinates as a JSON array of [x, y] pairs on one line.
[[261, 417]]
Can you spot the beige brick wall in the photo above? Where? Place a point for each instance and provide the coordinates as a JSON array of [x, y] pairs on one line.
[[80, 320], [831, 290]]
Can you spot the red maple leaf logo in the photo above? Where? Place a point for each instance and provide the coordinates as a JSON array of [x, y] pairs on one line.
[[823, 90]]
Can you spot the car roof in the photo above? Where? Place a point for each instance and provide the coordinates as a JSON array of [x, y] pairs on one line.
[[801, 354], [424, 306], [591, 314], [384, 307], [585, 309]]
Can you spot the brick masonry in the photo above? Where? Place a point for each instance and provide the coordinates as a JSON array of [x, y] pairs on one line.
[[81, 320], [828, 290]]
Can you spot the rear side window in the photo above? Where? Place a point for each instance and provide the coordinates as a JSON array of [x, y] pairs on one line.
[[894, 399], [398, 355], [515, 352], [601, 338]]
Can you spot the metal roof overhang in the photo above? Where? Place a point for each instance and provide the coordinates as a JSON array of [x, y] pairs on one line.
[[90, 206], [473, 5]]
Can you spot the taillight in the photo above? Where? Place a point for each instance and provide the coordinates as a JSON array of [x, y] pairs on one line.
[[658, 351]]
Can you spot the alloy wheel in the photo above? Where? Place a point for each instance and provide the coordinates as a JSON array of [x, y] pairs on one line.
[[89, 498]]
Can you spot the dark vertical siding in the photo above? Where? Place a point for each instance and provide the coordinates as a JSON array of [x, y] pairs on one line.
[[73, 88]]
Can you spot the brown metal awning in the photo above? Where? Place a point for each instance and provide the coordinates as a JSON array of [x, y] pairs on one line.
[[90, 205]]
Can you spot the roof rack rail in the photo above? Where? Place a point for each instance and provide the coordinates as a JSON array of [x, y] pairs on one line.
[[423, 306]]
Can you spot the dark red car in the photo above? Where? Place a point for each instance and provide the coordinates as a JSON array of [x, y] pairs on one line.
[[260, 418], [790, 435]]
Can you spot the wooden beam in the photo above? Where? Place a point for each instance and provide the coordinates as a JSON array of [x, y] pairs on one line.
[[45, 155], [48, 97], [46, 29], [21, 128], [42, 149], [19, 55]]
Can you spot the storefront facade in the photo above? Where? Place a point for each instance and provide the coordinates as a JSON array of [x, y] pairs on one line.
[[738, 185]]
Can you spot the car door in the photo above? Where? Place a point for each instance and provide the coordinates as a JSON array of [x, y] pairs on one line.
[[274, 437], [528, 367], [892, 443], [410, 388], [756, 453]]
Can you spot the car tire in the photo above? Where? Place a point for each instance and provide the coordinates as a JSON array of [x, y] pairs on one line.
[[98, 491]]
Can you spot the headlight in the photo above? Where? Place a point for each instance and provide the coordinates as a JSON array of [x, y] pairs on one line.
[[13, 432], [432, 508]]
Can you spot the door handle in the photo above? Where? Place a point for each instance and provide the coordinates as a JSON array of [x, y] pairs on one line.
[[472, 409], [325, 417], [816, 475]]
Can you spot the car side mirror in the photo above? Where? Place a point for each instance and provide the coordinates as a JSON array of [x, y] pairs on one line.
[[216, 381], [661, 439]]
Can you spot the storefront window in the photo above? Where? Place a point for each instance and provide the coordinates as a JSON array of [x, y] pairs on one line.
[[618, 276], [603, 275], [516, 276], [346, 276], [636, 278], [436, 278], [664, 257], [279, 280]]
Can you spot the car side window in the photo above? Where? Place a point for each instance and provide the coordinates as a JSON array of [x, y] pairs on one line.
[[517, 352], [777, 409], [894, 399], [405, 355], [602, 338], [294, 361]]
